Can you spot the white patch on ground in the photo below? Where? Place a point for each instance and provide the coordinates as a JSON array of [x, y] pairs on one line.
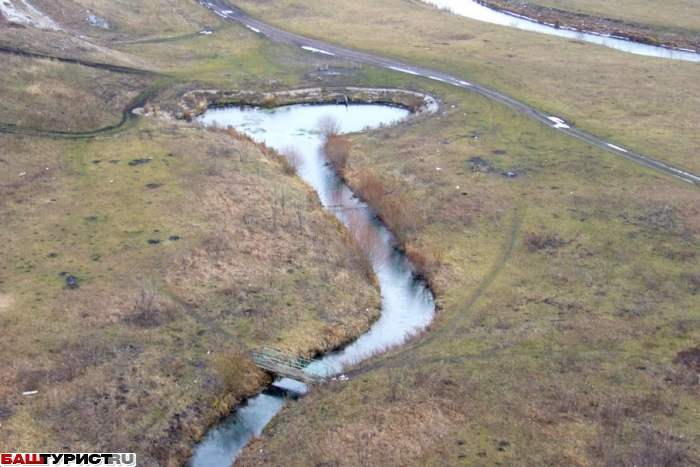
[[402, 70], [558, 122], [313, 49], [464, 83], [5, 302], [253, 29], [24, 13], [437, 79], [617, 147]]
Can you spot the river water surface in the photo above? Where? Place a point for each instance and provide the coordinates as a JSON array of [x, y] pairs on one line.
[[473, 10], [407, 306]]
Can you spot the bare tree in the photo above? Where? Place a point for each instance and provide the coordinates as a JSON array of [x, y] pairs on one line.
[[328, 126], [337, 151], [300, 206], [293, 157]]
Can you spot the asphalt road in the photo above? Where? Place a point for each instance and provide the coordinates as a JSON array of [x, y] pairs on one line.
[[232, 13]]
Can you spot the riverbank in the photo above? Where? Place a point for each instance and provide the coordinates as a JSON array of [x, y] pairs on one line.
[[604, 26]]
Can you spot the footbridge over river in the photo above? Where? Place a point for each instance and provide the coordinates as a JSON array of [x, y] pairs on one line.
[[287, 365]]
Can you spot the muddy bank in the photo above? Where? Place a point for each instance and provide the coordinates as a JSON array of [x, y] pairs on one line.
[[195, 103], [585, 23]]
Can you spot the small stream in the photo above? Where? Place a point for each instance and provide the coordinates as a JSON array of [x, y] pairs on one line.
[[473, 10], [407, 306]]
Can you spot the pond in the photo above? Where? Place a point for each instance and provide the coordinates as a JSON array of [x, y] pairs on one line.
[[407, 305]]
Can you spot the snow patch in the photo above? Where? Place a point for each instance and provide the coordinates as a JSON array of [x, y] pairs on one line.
[[253, 29], [26, 14], [97, 22], [558, 122], [617, 147], [313, 49], [402, 70]]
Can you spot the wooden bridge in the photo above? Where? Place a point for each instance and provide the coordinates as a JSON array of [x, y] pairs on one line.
[[291, 366]]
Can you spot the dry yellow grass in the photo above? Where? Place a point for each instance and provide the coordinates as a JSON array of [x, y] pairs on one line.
[[672, 14], [232, 268], [565, 294], [6, 302], [49, 95]]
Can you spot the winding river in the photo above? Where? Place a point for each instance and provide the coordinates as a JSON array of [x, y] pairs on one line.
[[473, 10], [407, 306]]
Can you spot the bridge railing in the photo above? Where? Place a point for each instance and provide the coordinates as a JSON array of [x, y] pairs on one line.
[[291, 366]]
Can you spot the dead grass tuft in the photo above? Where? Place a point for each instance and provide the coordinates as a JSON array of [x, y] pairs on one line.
[[689, 358], [328, 126], [150, 307], [536, 241]]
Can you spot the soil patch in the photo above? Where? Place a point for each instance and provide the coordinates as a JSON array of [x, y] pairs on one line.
[[5, 302]]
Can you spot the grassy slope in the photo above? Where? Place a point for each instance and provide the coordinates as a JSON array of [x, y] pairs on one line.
[[642, 103], [109, 375]]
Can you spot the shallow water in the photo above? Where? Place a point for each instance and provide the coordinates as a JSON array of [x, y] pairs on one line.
[[473, 10], [407, 306]]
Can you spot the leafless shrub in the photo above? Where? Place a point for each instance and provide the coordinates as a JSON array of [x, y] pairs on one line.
[[214, 126], [412, 102], [398, 212], [693, 280], [658, 450], [542, 241], [216, 151], [370, 188], [363, 442], [425, 261], [300, 205], [232, 367], [328, 126], [337, 151], [149, 308], [689, 358], [368, 244], [393, 381], [292, 160], [268, 102], [216, 242]]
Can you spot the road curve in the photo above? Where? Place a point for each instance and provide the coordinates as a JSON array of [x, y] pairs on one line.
[[232, 13]]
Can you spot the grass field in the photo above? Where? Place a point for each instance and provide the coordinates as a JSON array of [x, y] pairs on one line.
[[564, 293], [675, 14]]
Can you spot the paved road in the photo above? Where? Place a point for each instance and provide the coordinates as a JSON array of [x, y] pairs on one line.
[[232, 13]]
